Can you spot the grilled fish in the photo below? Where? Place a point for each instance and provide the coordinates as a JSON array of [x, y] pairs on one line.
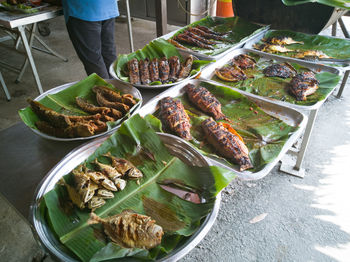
[[186, 68], [281, 40], [199, 38], [124, 167], [201, 33], [177, 44], [102, 101], [173, 115], [153, 70], [106, 112], [244, 61], [134, 73], [114, 96], [268, 48], [130, 230], [164, 70], [312, 54], [175, 64], [284, 70], [189, 40], [144, 72], [207, 30], [230, 73], [204, 100], [226, 143], [303, 85]]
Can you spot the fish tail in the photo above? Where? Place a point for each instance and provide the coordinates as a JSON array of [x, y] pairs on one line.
[[94, 219]]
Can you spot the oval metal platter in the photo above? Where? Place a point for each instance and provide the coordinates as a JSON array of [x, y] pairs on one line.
[[128, 89], [51, 244]]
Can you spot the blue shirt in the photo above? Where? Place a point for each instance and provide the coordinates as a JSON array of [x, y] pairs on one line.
[[90, 10]]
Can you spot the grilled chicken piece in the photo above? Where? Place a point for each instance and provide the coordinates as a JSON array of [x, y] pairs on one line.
[[303, 85], [244, 61], [311, 54], [226, 143], [207, 30], [185, 69], [281, 40], [268, 48], [134, 74], [204, 100], [199, 38], [164, 70], [173, 115], [153, 70], [284, 70], [191, 41], [230, 73], [130, 230], [175, 64], [201, 33], [144, 71]]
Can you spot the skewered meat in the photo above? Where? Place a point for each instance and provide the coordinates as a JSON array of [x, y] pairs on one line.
[[189, 40], [130, 230], [153, 70], [226, 143], [164, 70], [230, 73], [175, 64], [284, 70], [173, 115], [281, 40], [201, 33], [207, 30], [268, 48], [144, 72], [303, 85], [244, 61], [204, 100], [185, 69], [199, 38], [134, 74]]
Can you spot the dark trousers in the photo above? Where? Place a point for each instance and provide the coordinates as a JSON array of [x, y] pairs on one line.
[[94, 44]]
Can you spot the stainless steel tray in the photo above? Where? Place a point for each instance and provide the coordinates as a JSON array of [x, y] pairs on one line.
[[249, 45], [288, 115], [124, 88], [51, 244], [183, 54], [209, 72], [218, 56]]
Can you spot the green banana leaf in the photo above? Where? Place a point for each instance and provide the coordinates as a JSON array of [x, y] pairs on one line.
[[278, 88], [64, 101], [155, 49], [334, 47], [335, 3], [263, 134], [179, 218], [237, 30]]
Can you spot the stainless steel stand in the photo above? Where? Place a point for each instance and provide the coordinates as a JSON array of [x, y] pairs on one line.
[[4, 87]]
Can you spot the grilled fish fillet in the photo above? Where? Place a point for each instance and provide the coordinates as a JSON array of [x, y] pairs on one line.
[[226, 143], [284, 70], [186, 68], [164, 70], [144, 71], [153, 70], [303, 85], [230, 73], [134, 73], [175, 65], [244, 61]]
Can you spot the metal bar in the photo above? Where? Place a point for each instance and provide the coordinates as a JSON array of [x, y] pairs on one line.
[[5, 38], [343, 83], [131, 41], [343, 28], [30, 57], [161, 17], [334, 29], [4, 87], [49, 50], [9, 67]]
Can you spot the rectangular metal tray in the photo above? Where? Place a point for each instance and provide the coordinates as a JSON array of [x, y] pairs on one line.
[[209, 71], [216, 57], [287, 114]]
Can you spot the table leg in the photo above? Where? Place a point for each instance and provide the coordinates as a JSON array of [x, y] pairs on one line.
[[343, 83], [28, 50], [48, 49], [287, 162], [343, 28], [334, 29], [2, 82], [131, 41], [161, 17]]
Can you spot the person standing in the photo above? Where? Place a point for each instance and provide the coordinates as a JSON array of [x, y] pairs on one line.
[[90, 25]]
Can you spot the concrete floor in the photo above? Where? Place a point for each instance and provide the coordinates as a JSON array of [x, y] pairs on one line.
[[300, 219]]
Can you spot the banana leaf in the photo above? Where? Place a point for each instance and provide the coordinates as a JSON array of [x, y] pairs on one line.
[[155, 49], [64, 101], [334, 47], [278, 88], [335, 3], [179, 218], [237, 30], [263, 134]]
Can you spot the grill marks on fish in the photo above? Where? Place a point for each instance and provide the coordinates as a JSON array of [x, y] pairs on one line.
[[153, 70], [283, 70], [144, 71], [303, 84], [173, 115], [186, 67], [226, 143], [164, 70], [244, 61], [175, 65], [133, 69], [204, 100], [192, 41]]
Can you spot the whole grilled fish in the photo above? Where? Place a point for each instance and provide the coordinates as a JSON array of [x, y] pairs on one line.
[[186, 68], [134, 73], [303, 85], [230, 73], [144, 71], [130, 230], [189, 40], [244, 61], [199, 38], [207, 30], [153, 70], [226, 143], [204, 100], [201, 33], [173, 115], [164, 70], [114, 96], [284, 70], [175, 64], [282, 40]]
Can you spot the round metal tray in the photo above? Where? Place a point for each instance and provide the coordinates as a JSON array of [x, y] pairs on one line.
[[46, 238], [123, 88]]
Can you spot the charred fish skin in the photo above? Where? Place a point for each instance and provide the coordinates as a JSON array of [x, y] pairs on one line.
[[201, 33], [153, 70], [207, 30], [227, 144], [144, 71], [186, 68], [189, 40], [303, 84], [201, 39], [204, 100], [244, 61], [164, 70], [173, 114], [231, 73], [284, 70], [175, 64], [134, 72]]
